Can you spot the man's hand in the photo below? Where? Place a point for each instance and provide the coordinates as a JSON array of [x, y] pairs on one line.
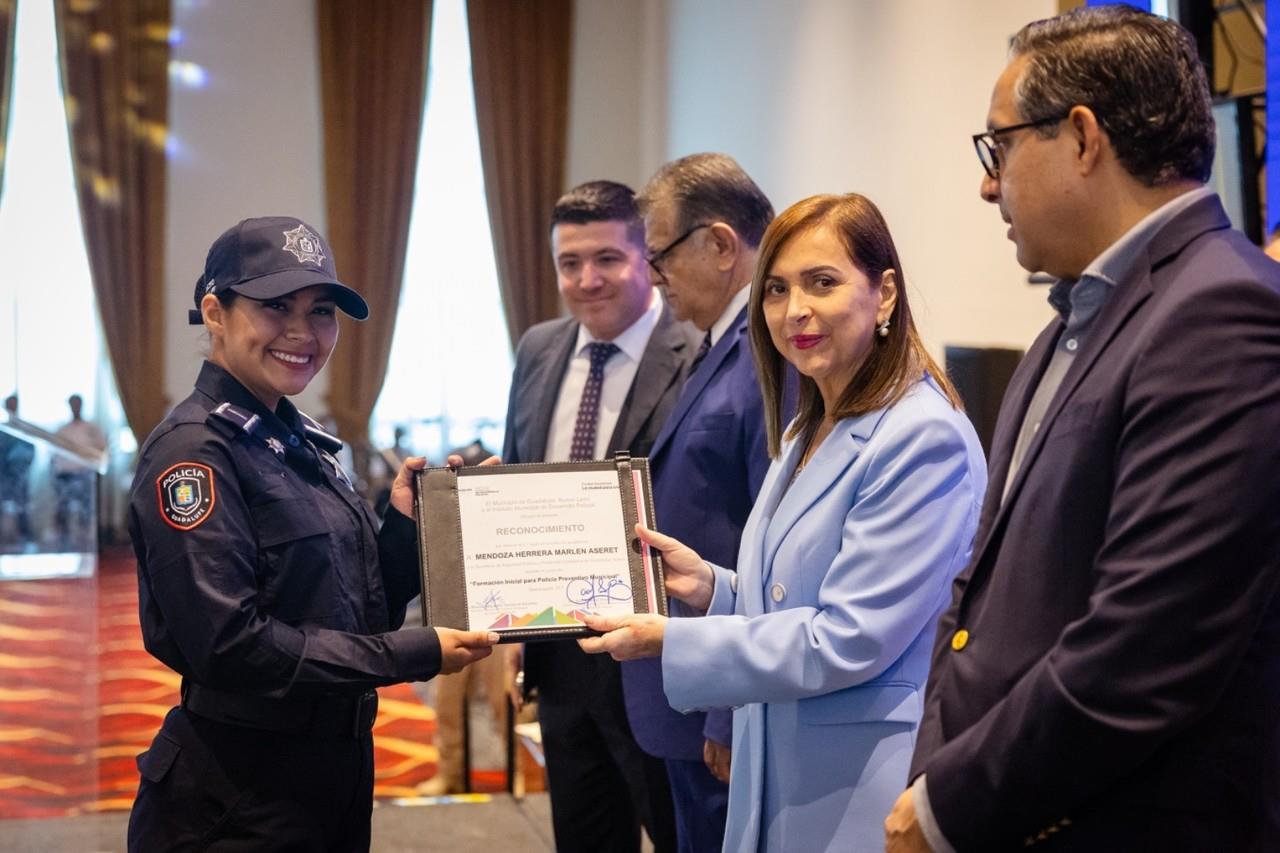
[[902, 832], [688, 576], [460, 648], [402, 488], [637, 635], [716, 756]]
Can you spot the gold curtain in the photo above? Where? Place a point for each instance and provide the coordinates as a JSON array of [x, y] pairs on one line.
[[115, 65], [8, 24], [520, 65], [373, 70]]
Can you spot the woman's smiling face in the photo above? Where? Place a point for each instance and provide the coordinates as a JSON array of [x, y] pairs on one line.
[[274, 347], [822, 310]]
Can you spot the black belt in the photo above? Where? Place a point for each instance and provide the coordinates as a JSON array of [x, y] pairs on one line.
[[321, 716]]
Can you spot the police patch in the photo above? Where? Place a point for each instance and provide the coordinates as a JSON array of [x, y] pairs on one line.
[[186, 495]]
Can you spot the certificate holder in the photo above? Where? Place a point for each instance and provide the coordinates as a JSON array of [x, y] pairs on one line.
[[526, 550]]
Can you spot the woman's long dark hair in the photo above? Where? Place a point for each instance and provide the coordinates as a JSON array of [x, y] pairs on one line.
[[894, 364]]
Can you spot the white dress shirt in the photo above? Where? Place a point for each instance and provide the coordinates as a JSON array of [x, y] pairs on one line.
[[619, 371], [730, 314]]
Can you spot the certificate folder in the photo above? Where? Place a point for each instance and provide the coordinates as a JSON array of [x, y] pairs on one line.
[[526, 550]]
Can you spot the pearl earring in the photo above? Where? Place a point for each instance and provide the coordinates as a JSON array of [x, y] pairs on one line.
[[883, 329]]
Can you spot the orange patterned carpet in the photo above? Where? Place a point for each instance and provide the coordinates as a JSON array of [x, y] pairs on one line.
[[80, 698]]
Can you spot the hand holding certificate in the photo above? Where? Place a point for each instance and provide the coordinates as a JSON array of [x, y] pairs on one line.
[[529, 551], [639, 635]]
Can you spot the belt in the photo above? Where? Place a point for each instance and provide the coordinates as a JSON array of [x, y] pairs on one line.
[[321, 716]]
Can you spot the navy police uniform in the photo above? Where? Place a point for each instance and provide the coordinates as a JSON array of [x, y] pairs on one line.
[[265, 582]]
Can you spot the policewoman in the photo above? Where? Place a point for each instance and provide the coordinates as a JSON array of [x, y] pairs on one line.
[[264, 580]]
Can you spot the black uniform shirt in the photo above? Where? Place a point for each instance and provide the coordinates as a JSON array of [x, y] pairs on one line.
[[259, 569]]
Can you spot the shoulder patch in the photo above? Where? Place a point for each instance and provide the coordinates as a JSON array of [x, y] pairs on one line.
[[186, 495]]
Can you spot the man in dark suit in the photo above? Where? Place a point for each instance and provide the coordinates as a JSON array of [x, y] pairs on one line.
[[1108, 675], [602, 380], [704, 218]]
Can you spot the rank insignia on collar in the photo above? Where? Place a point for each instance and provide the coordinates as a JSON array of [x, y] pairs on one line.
[[186, 495], [276, 445], [304, 245], [337, 470]]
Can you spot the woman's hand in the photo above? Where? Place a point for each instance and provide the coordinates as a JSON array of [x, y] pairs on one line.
[[460, 648], [402, 488], [637, 635], [689, 578]]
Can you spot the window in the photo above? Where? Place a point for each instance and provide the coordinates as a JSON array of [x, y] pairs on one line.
[[50, 342], [450, 361]]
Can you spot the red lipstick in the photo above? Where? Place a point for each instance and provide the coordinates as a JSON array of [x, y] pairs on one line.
[[806, 341]]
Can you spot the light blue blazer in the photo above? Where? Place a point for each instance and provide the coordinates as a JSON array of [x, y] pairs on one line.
[[822, 639]]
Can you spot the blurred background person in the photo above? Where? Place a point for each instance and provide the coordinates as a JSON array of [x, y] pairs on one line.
[[74, 483], [15, 481], [822, 637], [383, 467]]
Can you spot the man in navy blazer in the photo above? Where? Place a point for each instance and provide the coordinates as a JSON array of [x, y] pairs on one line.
[[1108, 674], [704, 218], [602, 785]]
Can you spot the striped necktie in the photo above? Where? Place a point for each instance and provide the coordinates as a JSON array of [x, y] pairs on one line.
[[584, 429]]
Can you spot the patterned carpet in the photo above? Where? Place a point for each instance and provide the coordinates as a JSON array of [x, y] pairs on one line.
[[80, 698]]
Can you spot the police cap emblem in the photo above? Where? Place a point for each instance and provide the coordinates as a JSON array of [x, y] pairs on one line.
[[304, 245], [186, 495]]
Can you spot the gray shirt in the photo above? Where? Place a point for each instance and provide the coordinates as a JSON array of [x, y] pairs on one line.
[[1078, 302]]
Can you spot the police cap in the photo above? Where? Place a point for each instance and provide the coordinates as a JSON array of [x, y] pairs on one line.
[[271, 256]]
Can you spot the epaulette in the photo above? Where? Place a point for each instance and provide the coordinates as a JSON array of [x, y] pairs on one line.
[[239, 420], [318, 435]]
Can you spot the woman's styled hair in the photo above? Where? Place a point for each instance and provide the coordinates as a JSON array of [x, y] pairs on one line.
[[895, 362]]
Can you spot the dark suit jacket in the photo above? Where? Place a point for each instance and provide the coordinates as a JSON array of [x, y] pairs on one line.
[[1120, 686], [542, 357], [707, 466]]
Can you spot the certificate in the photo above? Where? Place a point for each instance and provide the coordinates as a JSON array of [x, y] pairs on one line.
[[527, 550]]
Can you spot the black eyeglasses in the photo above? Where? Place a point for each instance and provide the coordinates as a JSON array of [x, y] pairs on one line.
[[986, 143], [658, 257]]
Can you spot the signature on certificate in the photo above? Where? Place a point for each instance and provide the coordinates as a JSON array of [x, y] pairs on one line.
[[593, 590], [492, 601]]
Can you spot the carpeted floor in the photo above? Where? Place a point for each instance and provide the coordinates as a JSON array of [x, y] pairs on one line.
[[481, 824], [80, 698]]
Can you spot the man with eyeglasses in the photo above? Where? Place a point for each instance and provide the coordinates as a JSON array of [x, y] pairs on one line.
[[704, 218], [601, 380], [1108, 674]]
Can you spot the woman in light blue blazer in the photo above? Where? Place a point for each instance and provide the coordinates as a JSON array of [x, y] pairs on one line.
[[821, 639]]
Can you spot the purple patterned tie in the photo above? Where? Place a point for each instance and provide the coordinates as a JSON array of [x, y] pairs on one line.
[[584, 430], [703, 349]]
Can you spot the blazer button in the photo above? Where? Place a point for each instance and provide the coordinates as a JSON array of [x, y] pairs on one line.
[[777, 592], [959, 640]]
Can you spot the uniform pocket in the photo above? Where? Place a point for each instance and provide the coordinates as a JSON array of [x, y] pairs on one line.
[[279, 522], [154, 764], [295, 561]]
